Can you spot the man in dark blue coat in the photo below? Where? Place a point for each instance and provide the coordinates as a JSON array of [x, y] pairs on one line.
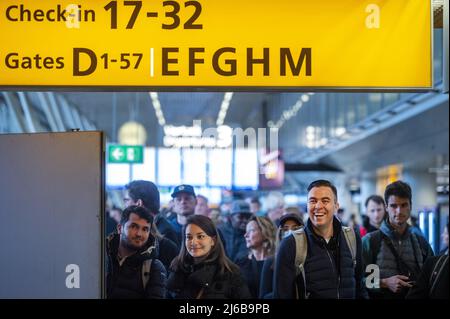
[[233, 231], [329, 268], [127, 252]]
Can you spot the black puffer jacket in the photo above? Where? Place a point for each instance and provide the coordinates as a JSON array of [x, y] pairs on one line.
[[251, 272], [188, 282], [433, 282], [328, 267], [125, 281], [166, 252]]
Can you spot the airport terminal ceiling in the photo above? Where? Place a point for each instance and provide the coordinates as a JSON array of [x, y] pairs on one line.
[[353, 133], [254, 110], [178, 109]]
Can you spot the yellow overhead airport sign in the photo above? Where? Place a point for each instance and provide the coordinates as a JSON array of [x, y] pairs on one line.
[[282, 44]]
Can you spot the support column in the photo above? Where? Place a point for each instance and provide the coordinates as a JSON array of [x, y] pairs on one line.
[[423, 185]]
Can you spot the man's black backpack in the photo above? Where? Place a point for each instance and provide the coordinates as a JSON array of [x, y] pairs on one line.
[[437, 271]]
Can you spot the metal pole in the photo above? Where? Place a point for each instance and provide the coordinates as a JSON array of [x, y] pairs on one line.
[[445, 48], [114, 118]]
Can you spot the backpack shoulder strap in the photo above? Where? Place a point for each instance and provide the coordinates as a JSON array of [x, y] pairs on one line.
[[301, 251], [375, 244], [146, 267], [350, 238], [420, 250], [423, 246], [437, 269]]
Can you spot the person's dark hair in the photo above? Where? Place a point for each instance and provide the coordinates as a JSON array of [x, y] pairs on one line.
[[255, 200], [281, 233], [142, 212], [216, 255], [365, 221], [413, 220], [145, 191], [399, 189], [323, 183], [375, 198]]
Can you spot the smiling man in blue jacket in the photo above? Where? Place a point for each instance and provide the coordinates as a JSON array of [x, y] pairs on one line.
[[330, 270]]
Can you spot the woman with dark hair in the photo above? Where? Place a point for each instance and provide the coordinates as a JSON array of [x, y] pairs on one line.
[[201, 270]]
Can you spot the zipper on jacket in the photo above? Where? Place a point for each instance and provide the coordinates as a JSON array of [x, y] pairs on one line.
[[339, 284], [334, 270]]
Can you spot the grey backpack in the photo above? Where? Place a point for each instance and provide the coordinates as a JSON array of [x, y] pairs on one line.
[[146, 267], [301, 251]]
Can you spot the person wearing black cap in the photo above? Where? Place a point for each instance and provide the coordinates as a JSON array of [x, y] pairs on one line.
[[146, 194], [128, 251], [233, 231], [185, 200], [287, 224]]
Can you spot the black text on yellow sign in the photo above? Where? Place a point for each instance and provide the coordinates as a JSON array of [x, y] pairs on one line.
[[346, 44]]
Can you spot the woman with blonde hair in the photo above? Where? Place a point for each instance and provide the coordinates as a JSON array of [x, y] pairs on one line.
[[260, 240]]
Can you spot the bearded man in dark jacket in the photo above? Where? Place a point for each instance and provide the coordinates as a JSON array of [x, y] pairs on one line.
[[127, 251]]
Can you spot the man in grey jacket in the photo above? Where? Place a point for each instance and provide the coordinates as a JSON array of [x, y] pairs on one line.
[[399, 253]]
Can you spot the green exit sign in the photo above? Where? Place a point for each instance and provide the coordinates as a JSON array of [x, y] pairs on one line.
[[125, 154]]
